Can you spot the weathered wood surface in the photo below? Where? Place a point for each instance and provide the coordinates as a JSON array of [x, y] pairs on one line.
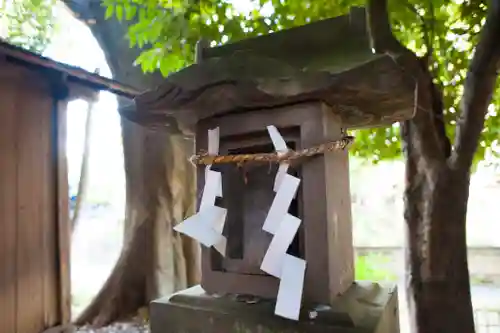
[[29, 274], [34, 247], [375, 93]]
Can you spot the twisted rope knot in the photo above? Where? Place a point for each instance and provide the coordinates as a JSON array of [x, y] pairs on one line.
[[205, 159]]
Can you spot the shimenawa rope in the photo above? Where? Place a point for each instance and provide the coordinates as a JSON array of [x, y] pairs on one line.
[[206, 159]]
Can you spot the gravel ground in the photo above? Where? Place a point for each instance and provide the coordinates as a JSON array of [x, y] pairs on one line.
[[115, 328]]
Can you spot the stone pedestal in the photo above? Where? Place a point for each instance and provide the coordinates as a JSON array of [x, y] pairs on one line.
[[363, 308]]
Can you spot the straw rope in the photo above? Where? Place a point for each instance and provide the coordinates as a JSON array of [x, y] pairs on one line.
[[290, 156]]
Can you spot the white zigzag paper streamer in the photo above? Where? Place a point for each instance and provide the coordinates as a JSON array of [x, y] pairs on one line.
[[207, 225], [281, 148], [289, 269]]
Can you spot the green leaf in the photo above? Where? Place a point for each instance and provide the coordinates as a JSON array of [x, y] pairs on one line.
[[119, 12], [109, 12], [130, 12]]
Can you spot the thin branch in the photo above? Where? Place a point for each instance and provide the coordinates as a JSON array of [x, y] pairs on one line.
[[431, 138], [83, 182], [382, 38], [478, 89]]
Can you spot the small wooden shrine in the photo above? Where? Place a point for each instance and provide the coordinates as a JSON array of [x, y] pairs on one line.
[[313, 87]]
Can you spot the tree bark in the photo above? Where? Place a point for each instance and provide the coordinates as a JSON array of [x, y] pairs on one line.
[[160, 191], [437, 178], [83, 181], [435, 211]]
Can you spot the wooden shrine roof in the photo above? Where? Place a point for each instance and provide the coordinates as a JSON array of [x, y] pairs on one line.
[[74, 74], [329, 61]]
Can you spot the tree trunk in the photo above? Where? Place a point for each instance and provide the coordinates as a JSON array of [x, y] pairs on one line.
[[437, 272], [435, 209], [83, 181], [160, 191], [437, 177]]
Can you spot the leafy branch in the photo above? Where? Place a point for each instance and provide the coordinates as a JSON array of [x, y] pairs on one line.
[[479, 86], [431, 139]]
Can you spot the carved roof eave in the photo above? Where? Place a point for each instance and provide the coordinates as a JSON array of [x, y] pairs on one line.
[[375, 93]]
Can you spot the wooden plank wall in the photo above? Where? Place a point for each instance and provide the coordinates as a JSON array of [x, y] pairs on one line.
[[29, 250]]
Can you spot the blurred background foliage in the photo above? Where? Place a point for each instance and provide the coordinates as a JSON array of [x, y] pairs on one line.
[[28, 23]]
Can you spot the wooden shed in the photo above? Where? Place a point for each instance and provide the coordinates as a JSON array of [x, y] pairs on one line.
[[34, 213]]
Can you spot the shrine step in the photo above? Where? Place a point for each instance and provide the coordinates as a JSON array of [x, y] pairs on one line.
[[364, 308]]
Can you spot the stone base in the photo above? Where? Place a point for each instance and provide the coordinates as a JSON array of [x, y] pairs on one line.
[[364, 308]]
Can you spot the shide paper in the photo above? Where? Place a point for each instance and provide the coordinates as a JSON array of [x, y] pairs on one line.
[[200, 225], [272, 263], [282, 200], [289, 269], [281, 148], [212, 189], [207, 225], [290, 289], [213, 149]]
